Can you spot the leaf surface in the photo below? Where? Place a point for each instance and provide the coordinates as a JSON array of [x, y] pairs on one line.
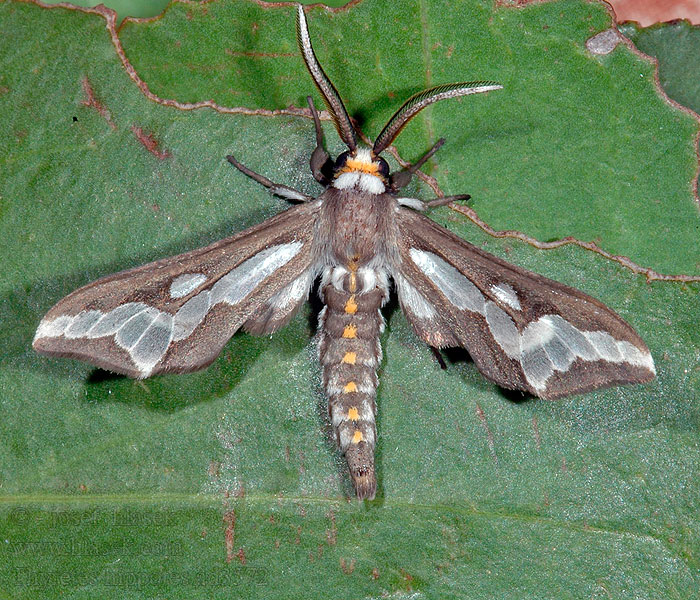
[[225, 483]]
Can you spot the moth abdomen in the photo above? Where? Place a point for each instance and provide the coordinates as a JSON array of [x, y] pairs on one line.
[[350, 351]]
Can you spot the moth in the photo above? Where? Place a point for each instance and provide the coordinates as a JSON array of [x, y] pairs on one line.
[[523, 331]]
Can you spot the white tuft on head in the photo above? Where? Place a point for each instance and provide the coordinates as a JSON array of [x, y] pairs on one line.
[[364, 155], [362, 181]]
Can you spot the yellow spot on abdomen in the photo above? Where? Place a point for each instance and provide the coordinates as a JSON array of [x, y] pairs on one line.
[[350, 358], [351, 305], [357, 437], [350, 331], [353, 414], [353, 282], [350, 387]]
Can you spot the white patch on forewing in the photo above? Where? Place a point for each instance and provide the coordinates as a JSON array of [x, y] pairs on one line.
[[190, 315], [503, 329], [413, 300], [135, 327], [242, 280], [547, 345], [551, 344], [506, 294], [48, 329], [635, 356], [456, 287], [153, 343], [184, 284], [82, 323], [564, 344], [146, 333], [537, 334]]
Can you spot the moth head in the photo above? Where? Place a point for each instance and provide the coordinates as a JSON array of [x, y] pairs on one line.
[[356, 157], [361, 160]]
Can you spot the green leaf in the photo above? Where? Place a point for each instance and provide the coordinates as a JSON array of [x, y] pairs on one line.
[[676, 46], [123, 8], [124, 489]]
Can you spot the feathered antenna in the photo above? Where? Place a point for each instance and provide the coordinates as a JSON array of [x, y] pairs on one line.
[[330, 95], [419, 101]]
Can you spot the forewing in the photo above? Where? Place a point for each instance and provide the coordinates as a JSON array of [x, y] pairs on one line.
[[522, 330], [176, 314]]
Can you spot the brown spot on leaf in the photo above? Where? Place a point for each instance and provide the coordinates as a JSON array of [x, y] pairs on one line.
[[229, 531], [150, 143], [489, 436], [332, 533], [536, 431], [346, 567], [91, 101]]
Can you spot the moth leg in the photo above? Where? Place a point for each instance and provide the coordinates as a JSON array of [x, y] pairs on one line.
[[438, 357], [403, 178], [321, 162], [446, 200], [416, 204], [278, 189]]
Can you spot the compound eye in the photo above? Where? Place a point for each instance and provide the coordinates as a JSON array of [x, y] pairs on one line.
[[383, 167], [341, 161]]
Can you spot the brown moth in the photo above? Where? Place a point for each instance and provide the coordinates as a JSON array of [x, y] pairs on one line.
[[523, 331]]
